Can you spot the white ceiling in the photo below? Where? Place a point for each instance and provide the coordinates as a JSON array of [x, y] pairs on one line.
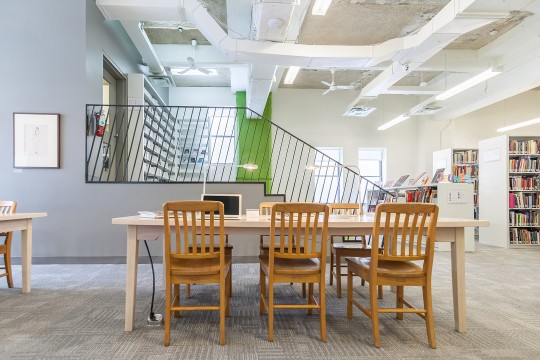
[[376, 47]]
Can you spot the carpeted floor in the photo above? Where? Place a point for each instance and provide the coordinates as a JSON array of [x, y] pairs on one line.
[[77, 312]]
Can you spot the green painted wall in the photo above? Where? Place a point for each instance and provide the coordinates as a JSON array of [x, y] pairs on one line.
[[254, 143]]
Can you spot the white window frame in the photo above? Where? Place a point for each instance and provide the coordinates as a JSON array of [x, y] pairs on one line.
[[373, 154], [324, 176]]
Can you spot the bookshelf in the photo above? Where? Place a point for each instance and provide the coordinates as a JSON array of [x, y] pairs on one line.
[[462, 166], [455, 200], [512, 191]]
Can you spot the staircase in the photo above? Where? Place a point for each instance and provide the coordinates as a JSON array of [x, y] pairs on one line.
[[178, 144]]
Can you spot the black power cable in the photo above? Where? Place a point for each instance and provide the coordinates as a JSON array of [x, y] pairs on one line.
[[152, 315]]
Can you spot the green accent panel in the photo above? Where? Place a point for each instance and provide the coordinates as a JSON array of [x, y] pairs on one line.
[[254, 143]]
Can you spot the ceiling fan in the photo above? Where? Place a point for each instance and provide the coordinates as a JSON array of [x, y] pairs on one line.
[[332, 86], [191, 61]]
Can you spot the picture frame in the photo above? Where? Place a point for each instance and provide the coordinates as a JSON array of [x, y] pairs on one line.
[[36, 140]]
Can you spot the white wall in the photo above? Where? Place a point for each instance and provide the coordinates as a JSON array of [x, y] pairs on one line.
[[319, 121]]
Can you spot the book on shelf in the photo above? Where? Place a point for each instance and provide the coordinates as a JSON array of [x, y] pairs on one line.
[[401, 180]]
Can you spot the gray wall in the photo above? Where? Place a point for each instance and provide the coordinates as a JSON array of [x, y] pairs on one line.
[[54, 65]]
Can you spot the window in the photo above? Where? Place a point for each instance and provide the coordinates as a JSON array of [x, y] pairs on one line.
[[328, 181], [222, 131], [372, 164]]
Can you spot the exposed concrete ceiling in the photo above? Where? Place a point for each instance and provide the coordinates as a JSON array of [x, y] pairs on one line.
[[375, 47]]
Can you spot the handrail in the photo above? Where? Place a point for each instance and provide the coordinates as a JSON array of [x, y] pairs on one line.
[[172, 144]]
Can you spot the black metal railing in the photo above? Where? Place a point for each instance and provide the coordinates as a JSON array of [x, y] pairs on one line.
[[176, 144]]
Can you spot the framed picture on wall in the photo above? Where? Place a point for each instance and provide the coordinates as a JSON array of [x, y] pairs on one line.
[[36, 140]]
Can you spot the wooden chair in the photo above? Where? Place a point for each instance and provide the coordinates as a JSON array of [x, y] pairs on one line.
[[300, 261], [192, 257], [339, 250], [407, 232], [265, 209], [7, 207]]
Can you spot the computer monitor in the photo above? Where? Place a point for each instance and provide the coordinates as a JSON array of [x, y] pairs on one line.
[[232, 203]]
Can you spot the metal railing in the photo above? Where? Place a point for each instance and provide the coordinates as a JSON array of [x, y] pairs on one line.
[[174, 144]]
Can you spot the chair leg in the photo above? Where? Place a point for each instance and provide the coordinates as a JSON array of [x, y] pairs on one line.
[[374, 307], [338, 275], [222, 309], [229, 282], [310, 298], [349, 293], [331, 262], [270, 310], [262, 291], [380, 292], [322, 304], [399, 301], [176, 297], [167, 325], [430, 326], [304, 290], [7, 263], [227, 293]]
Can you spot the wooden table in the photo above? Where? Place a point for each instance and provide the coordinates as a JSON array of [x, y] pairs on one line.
[[23, 222], [448, 230]]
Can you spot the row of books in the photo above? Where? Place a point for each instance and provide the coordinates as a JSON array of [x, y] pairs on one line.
[[524, 165], [465, 156], [425, 195], [524, 218], [523, 200], [524, 146], [523, 236], [464, 172], [524, 183]]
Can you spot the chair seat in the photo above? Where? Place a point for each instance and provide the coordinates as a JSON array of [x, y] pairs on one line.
[[400, 269], [197, 266], [291, 266]]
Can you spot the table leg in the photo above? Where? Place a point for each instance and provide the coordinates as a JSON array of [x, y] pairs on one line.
[[26, 255], [132, 260], [457, 248]]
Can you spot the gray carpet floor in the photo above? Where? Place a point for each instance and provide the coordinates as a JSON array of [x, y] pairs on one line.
[[77, 312]]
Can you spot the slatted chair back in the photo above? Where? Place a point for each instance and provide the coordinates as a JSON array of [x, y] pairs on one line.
[[265, 208], [194, 242], [7, 207], [346, 209], [298, 230], [405, 232]]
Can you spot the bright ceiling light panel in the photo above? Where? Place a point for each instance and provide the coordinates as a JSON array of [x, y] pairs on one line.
[[291, 75], [519, 125], [321, 7], [393, 122], [483, 76]]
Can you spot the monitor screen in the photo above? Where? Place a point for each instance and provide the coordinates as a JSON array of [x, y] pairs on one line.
[[232, 203]]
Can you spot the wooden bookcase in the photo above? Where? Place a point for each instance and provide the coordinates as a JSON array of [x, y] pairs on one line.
[[511, 197]]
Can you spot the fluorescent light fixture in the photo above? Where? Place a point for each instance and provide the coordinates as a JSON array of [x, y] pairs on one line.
[[193, 72], [393, 122], [519, 125], [321, 7], [483, 76], [291, 75]]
